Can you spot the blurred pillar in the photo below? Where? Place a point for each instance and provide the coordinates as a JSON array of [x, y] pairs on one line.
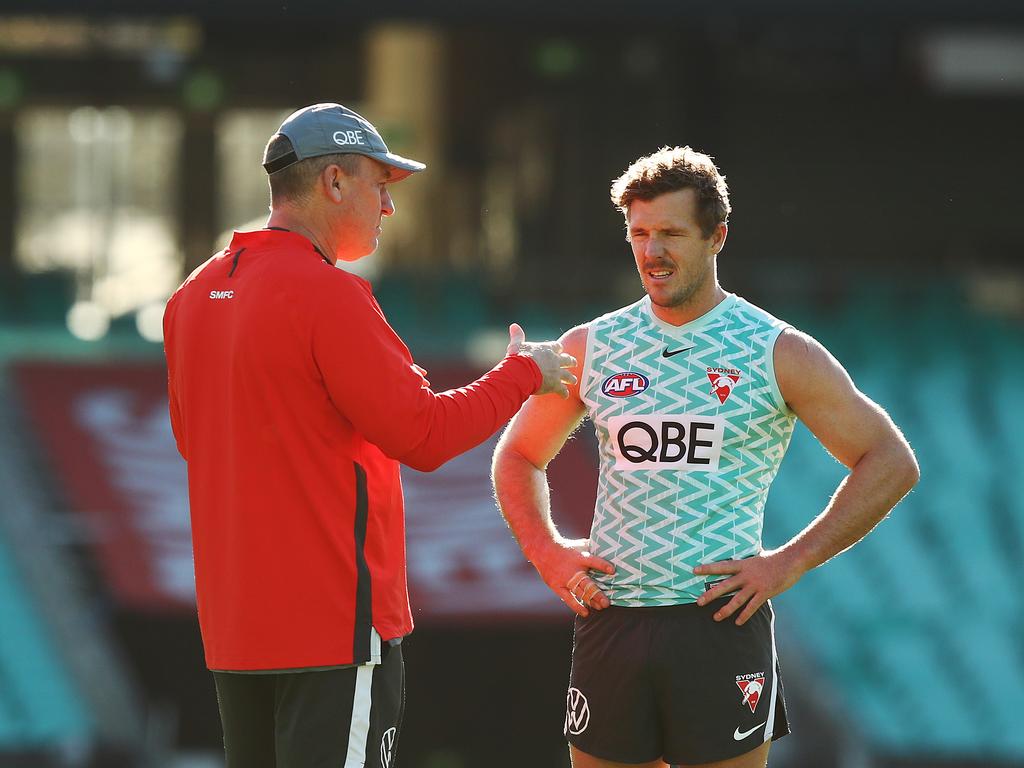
[[8, 208], [197, 206], [404, 98]]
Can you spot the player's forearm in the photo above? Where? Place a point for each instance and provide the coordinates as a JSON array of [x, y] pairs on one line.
[[524, 500], [874, 486]]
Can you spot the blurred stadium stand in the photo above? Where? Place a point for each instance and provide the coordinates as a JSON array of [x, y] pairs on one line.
[[916, 629], [908, 648], [64, 695], [871, 148]]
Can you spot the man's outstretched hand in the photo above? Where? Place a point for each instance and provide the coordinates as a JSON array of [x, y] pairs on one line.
[[554, 364]]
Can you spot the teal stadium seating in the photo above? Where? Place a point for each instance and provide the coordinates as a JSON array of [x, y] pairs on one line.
[[918, 632], [916, 635], [39, 706]]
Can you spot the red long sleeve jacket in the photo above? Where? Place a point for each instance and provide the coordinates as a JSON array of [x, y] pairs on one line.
[[293, 402]]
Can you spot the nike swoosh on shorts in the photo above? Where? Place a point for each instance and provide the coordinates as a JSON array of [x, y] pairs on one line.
[[741, 735]]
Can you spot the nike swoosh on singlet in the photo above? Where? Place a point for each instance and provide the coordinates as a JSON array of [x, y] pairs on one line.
[[739, 735], [674, 352]]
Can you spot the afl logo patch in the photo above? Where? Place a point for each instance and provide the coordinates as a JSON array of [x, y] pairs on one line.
[[625, 384]]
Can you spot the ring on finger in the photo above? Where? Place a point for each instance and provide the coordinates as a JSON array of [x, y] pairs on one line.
[[575, 581]]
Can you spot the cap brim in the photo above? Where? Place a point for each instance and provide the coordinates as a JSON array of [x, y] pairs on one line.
[[402, 166]]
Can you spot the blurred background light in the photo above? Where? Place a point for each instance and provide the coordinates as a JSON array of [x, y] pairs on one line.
[[149, 321], [88, 321], [558, 58], [11, 87], [203, 90], [969, 61], [76, 36], [487, 345]]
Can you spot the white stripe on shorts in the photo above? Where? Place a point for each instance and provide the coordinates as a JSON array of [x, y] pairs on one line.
[[362, 701], [769, 726]]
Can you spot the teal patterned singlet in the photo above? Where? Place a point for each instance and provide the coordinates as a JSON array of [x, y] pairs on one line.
[[691, 429]]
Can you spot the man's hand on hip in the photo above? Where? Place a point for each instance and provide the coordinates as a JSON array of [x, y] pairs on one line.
[[754, 580], [564, 565], [549, 357]]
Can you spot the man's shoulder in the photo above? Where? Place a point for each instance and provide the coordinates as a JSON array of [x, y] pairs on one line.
[[195, 277], [574, 341], [797, 348], [306, 271], [615, 315], [340, 282], [577, 337], [758, 313]]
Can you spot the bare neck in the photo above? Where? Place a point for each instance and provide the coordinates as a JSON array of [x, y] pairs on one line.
[[288, 218], [696, 306]]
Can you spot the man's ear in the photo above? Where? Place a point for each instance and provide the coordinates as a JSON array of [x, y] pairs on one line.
[[718, 238], [333, 180]]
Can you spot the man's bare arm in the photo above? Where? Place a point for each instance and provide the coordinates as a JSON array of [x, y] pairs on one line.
[[858, 433], [532, 440]]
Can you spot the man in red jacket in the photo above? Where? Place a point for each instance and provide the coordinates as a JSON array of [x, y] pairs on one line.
[[293, 402]]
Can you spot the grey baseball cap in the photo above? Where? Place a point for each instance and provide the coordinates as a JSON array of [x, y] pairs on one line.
[[329, 129]]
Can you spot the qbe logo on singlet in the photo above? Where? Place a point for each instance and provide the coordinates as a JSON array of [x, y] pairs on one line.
[[681, 442]]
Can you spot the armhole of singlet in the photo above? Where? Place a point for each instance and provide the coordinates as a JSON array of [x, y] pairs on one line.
[[588, 374], [769, 367]]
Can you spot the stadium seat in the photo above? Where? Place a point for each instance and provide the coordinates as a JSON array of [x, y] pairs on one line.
[[919, 629], [38, 702]]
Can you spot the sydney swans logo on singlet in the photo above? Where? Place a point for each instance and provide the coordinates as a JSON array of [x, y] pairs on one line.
[[722, 382], [681, 442]]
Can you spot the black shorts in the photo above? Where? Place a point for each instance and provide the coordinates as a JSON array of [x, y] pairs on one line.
[[348, 717], [672, 683]]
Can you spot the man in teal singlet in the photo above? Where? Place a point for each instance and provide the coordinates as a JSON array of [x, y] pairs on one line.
[[694, 393]]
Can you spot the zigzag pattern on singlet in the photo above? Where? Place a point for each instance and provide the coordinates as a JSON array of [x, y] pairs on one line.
[[656, 525]]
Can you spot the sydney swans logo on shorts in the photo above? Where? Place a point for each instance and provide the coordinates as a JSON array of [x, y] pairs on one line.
[[577, 712], [387, 746], [722, 382], [625, 384], [751, 687], [685, 443]]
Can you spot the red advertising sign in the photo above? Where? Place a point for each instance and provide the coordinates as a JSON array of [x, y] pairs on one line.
[[106, 432]]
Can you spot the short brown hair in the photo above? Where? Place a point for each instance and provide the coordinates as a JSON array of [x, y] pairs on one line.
[[295, 181], [674, 168]]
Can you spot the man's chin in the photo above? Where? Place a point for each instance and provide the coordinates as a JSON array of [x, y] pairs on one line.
[[662, 296], [360, 254], [669, 300]]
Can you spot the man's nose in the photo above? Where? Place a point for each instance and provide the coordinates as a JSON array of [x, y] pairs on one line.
[[387, 205], [654, 246]]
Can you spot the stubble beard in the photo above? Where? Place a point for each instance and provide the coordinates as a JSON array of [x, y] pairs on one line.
[[683, 295]]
